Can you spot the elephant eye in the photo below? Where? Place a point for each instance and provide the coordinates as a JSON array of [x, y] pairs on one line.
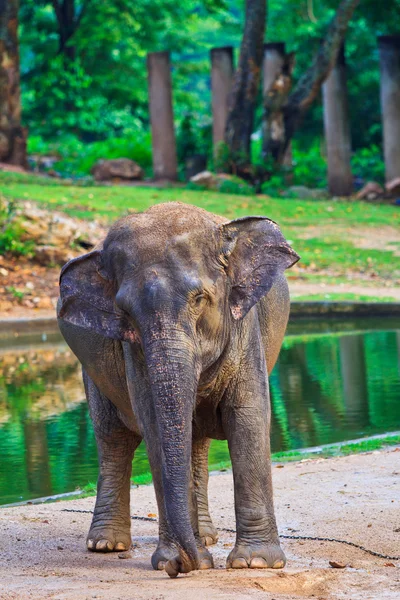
[[199, 299]]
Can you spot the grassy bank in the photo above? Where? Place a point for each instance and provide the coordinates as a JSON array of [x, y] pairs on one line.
[[337, 240]]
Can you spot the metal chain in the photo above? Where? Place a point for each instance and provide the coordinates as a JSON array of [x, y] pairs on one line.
[[283, 536]]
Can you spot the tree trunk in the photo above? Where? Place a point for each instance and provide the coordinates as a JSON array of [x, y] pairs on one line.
[[243, 95], [288, 110], [68, 19], [275, 93], [12, 135]]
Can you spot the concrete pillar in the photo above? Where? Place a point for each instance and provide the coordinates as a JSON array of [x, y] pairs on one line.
[[274, 63], [221, 82], [337, 129], [389, 58], [274, 59], [161, 116]]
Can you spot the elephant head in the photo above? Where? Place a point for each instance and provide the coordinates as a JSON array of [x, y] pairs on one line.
[[173, 281]]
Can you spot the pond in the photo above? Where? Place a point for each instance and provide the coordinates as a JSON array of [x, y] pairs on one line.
[[333, 382]]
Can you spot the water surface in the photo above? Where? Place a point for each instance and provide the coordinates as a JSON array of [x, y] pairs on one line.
[[333, 382]]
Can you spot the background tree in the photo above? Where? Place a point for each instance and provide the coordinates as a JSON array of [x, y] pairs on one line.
[[93, 103], [12, 134], [287, 109], [241, 104]]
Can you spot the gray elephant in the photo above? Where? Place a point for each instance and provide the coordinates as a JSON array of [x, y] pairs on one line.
[[177, 318]]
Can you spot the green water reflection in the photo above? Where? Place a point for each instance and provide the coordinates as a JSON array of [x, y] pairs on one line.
[[325, 388]]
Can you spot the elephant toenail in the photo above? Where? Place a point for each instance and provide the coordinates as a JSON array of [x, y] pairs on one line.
[[104, 546], [90, 544], [120, 546], [278, 564], [172, 568], [239, 563], [206, 564], [208, 541], [258, 563], [161, 565]]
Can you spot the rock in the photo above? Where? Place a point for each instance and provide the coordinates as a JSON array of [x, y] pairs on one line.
[[205, 179], [44, 227], [370, 191], [125, 555], [122, 168], [337, 565], [45, 302], [53, 255], [56, 236], [219, 181], [304, 193], [393, 187]]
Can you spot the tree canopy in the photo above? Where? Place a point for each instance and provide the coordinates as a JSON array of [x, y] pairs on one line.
[[83, 62]]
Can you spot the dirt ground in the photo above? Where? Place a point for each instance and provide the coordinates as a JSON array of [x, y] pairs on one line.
[[356, 498]]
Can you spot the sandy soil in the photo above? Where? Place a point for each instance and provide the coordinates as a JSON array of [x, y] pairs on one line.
[[43, 556]]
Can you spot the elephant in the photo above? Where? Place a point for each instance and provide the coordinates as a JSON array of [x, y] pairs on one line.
[[177, 318]]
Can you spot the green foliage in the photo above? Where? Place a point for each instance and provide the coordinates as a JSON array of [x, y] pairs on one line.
[[96, 85], [309, 165], [222, 158], [367, 164], [274, 186], [10, 231], [76, 158], [187, 143], [95, 88], [235, 186], [18, 294]]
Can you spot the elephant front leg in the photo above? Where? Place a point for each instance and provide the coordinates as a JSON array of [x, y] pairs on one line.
[[246, 423], [207, 531], [111, 524], [166, 548]]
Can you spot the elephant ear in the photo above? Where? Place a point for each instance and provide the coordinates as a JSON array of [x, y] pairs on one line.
[[88, 299], [255, 253]]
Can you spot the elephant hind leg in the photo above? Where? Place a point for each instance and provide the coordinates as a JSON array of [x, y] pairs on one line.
[[111, 525], [207, 530]]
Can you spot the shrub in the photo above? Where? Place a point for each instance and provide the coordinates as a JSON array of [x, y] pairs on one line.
[[367, 164], [10, 231], [235, 185], [76, 158]]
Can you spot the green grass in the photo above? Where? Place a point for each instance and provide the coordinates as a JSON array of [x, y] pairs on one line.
[[341, 297], [334, 253]]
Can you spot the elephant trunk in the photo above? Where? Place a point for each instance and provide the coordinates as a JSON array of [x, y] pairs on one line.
[[171, 367]]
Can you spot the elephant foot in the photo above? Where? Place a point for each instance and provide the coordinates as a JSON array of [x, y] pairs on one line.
[[165, 551], [175, 565], [256, 556], [106, 538], [166, 557], [207, 531], [206, 559]]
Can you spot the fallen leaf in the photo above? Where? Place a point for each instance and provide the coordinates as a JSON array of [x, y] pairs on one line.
[[389, 565], [152, 515]]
